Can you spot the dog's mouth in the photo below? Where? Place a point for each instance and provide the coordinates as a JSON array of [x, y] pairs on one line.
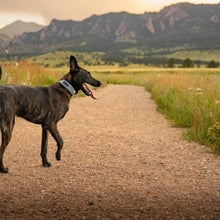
[[87, 91]]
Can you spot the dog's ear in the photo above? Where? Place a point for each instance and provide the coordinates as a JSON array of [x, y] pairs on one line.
[[73, 64]]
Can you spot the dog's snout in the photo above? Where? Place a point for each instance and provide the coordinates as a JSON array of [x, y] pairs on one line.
[[99, 83]]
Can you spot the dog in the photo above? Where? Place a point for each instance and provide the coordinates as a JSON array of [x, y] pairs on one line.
[[42, 105]]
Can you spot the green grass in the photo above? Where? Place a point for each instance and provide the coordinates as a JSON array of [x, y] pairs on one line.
[[60, 59], [196, 55]]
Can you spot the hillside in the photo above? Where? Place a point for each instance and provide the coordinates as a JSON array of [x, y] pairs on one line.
[[19, 27], [176, 27]]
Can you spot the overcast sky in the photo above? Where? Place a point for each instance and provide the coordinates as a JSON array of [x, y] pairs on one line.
[[42, 11]]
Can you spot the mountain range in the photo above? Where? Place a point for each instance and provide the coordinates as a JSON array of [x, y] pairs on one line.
[[183, 25]]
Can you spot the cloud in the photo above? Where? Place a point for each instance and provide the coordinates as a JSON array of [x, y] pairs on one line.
[[64, 9]]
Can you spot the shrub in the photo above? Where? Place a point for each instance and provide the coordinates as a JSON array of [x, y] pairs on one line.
[[213, 64], [187, 63]]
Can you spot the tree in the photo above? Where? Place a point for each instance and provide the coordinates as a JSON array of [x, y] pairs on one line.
[[187, 63], [171, 63], [213, 64]]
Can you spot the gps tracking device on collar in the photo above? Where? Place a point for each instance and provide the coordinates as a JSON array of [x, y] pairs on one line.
[[68, 86]]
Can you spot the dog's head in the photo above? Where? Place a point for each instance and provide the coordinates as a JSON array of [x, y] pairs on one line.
[[80, 76]]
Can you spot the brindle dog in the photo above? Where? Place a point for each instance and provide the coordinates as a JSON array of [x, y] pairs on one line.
[[42, 105]]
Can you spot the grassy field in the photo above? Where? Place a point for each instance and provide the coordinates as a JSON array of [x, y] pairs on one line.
[[189, 97], [196, 55], [159, 57], [60, 59]]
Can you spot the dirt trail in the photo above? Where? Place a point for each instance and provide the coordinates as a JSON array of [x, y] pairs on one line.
[[121, 160]]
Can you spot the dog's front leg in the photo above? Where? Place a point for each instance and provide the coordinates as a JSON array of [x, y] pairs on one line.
[[52, 128], [44, 147]]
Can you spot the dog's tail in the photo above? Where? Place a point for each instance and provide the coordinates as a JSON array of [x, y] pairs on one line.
[[0, 72]]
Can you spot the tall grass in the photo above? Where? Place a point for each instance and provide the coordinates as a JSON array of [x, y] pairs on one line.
[[191, 100], [26, 73]]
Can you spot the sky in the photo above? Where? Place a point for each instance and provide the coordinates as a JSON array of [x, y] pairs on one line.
[[43, 11]]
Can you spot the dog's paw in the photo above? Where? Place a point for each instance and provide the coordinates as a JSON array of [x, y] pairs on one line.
[[46, 164], [58, 156]]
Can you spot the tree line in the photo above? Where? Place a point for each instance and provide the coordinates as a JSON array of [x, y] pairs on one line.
[[124, 59], [188, 63]]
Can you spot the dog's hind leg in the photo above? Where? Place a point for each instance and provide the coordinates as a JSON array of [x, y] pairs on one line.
[[44, 147], [52, 128], [6, 130]]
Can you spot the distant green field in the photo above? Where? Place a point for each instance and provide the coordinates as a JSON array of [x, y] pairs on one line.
[[61, 59], [157, 57], [196, 55]]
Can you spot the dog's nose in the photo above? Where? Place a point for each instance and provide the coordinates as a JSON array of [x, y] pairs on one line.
[[99, 83]]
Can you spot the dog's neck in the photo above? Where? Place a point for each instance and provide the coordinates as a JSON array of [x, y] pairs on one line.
[[68, 87]]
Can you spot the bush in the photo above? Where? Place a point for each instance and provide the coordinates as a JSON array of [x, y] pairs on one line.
[[187, 63], [213, 64], [171, 63]]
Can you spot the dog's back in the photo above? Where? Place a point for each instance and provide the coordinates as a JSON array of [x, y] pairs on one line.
[[31, 103]]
